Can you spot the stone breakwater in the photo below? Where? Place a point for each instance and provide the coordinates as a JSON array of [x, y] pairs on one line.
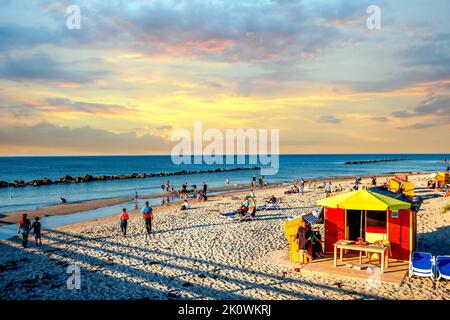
[[90, 178], [373, 161]]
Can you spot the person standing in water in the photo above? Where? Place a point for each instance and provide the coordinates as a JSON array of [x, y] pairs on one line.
[[36, 227], [147, 214], [24, 229], [124, 222]]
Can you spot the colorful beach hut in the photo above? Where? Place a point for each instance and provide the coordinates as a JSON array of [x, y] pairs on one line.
[[372, 216]]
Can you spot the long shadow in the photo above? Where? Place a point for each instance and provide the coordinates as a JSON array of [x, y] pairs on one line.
[[226, 221], [426, 241], [195, 289], [245, 285], [54, 279], [230, 267]]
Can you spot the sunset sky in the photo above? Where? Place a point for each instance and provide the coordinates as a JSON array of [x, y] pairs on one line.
[[137, 70]]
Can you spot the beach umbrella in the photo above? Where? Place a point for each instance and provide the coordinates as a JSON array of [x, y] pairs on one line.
[[363, 200]]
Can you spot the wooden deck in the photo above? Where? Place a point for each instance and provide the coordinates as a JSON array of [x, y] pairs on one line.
[[394, 274]]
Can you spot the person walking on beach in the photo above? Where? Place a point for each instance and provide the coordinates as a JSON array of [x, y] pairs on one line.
[[227, 182], [147, 214], [254, 181], [163, 187], [124, 222], [205, 188], [24, 229], [136, 200], [36, 227]]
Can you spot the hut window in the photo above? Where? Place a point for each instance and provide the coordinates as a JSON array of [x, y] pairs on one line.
[[376, 222]]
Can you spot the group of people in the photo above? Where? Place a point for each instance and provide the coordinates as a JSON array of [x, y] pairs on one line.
[[147, 216], [260, 181], [167, 187]]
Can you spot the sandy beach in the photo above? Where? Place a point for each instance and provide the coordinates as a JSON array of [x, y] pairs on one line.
[[199, 254]]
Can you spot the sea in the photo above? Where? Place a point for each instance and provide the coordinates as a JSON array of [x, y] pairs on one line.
[[290, 167]]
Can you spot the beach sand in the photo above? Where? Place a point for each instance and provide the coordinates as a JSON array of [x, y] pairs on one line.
[[199, 254]]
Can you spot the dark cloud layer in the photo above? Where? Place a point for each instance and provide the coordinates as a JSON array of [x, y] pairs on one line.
[[85, 139], [437, 106], [41, 66]]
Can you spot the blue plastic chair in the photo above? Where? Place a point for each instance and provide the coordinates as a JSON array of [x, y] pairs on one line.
[[421, 265], [442, 267]]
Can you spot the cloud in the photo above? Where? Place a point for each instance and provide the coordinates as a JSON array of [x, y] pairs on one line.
[[418, 126], [435, 106], [217, 30], [87, 107], [380, 119], [41, 66], [329, 119], [85, 139]]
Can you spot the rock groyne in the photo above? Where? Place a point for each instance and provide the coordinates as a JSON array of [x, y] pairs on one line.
[[373, 161], [90, 178]]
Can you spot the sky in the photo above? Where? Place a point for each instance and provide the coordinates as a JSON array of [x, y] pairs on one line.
[[138, 70]]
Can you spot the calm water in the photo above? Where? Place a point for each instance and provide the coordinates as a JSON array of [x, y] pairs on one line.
[[291, 167]]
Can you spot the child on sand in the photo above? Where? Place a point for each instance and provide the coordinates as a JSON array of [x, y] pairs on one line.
[[36, 227], [124, 222]]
